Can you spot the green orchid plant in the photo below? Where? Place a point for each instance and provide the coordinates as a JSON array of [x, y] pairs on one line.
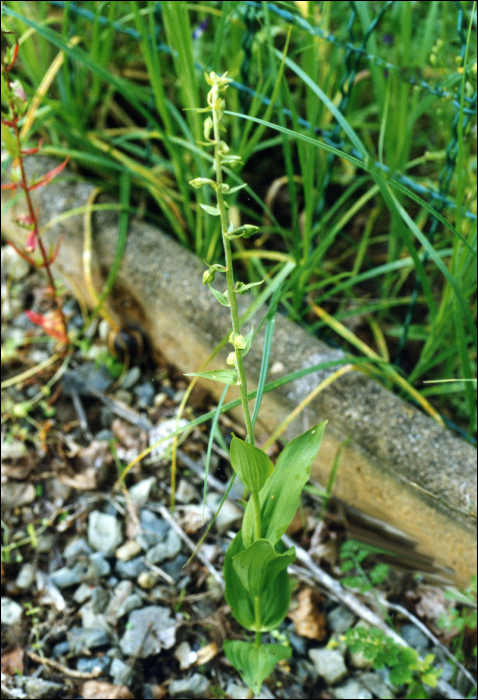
[[255, 567]]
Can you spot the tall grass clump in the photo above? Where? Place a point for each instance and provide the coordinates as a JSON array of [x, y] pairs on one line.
[[356, 128]]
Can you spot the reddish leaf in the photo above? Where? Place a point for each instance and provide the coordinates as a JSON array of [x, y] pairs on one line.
[[50, 322], [22, 254], [15, 54], [12, 186], [49, 176], [31, 151]]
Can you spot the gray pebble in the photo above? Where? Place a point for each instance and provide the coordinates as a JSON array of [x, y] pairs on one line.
[[175, 568], [75, 549], [13, 266], [139, 493], [376, 685], [132, 602], [17, 494], [69, 577], [145, 393], [104, 532], [124, 396], [120, 672], [104, 435], [297, 643], [86, 377], [14, 450], [415, 638], [154, 529], [340, 619], [228, 515], [165, 550], [132, 377], [196, 686], [85, 665], [45, 543], [60, 649], [352, 689], [186, 492], [39, 688], [79, 639], [329, 663], [99, 565], [26, 577], [11, 612], [154, 619], [130, 569], [82, 593]]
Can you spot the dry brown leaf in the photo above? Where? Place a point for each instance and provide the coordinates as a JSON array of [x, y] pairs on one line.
[[101, 690], [12, 662], [206, 654], [308, 620]]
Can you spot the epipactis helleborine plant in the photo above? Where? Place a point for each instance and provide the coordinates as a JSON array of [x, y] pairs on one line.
[[255, 567]]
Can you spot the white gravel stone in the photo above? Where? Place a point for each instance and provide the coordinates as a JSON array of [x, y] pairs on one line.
[[330, 664], [11, 612], [104, 532]]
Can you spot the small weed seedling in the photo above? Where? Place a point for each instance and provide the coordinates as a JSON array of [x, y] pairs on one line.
[[459, 620], [255, 567], [403, 662]]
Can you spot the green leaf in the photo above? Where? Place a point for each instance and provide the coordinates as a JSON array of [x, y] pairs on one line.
[[255, 664], [280, 496], [10, 142], [245, 231], [225, 376], [214, 211], [248, 342], [400, 675], [252, 465], [259, 565], [235, 189], [430, 678], [220, 297], [242, 288], [275, 599]]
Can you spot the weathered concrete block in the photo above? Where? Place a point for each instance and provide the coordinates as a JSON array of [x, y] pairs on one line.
[[400, 465]]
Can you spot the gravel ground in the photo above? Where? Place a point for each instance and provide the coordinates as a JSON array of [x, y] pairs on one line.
[[98, 597]]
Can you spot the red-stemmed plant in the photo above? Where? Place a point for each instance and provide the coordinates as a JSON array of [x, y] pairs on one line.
[[52, 322]]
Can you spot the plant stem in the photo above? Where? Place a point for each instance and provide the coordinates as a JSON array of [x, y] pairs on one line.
[[257, 599], [230, 279]]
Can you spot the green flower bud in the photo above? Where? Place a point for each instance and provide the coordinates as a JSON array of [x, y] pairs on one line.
[[208, 276], [231, 358], [239, 342], [208, 125], [199, 182]]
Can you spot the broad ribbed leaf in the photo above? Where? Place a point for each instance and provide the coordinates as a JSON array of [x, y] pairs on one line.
[[252, 465], [255, 664], [258, 565], [280, 496], [275, 599]]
